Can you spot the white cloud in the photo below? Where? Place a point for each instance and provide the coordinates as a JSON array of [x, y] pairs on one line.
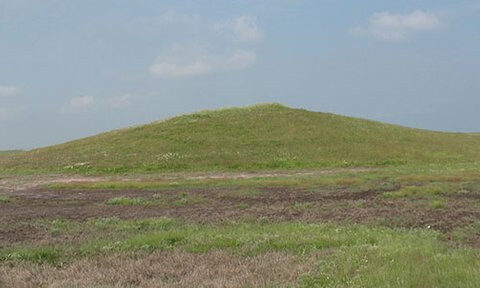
[[77, 104], [246, 29], [6, 91], [120, 101], [243, 29], [208, 46], [397, 27], [178, 66]]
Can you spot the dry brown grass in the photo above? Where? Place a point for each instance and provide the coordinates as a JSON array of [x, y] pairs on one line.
[[162, 269]]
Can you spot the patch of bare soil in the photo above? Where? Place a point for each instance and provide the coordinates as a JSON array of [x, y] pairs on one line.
[[218, 205], [163, 269]]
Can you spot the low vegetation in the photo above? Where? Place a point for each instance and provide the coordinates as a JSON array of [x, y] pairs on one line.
[[354, 256], [233, 140], [4, 199], [415, 226]]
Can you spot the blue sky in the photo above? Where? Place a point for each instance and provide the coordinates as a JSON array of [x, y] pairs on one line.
[[70, 69]]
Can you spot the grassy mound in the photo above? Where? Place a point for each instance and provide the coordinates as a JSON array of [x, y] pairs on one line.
[[253, 138]]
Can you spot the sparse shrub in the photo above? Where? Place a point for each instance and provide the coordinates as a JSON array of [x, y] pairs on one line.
[[78, 167], [185, 199], [157, 196], [303, 205], [5, 199], [437, 204], [58, 226], [242, 206], [126, 201], [419, 191], [38, 255], [105, 222]]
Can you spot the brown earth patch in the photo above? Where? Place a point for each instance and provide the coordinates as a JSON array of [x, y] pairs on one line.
[[225, 204]]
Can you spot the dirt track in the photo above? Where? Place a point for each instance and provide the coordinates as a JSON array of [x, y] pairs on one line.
[[13, 184]]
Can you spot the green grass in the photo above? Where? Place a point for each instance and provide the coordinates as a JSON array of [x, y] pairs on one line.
[[247, 192], [398, 265], [244, 238], [437, 204], [262, 137], [411, 175], [354, 255], [180, 199], [303, 205], [435, 189], [45, 254], [241, 187], [242, 206], [300, 182], [5, 199]]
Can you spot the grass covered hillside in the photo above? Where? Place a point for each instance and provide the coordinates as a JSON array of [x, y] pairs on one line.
[[258, 137]]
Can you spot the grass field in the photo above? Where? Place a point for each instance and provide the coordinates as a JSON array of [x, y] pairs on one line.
[[264, 196], [385, 227]]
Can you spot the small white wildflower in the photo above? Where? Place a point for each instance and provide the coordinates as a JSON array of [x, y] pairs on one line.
[[168, 156]]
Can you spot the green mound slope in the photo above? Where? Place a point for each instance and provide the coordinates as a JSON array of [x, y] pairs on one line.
[[258, 137]]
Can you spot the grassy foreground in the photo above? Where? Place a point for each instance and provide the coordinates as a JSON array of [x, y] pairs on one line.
[[389, 227], [344, 256], [252, 138]]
